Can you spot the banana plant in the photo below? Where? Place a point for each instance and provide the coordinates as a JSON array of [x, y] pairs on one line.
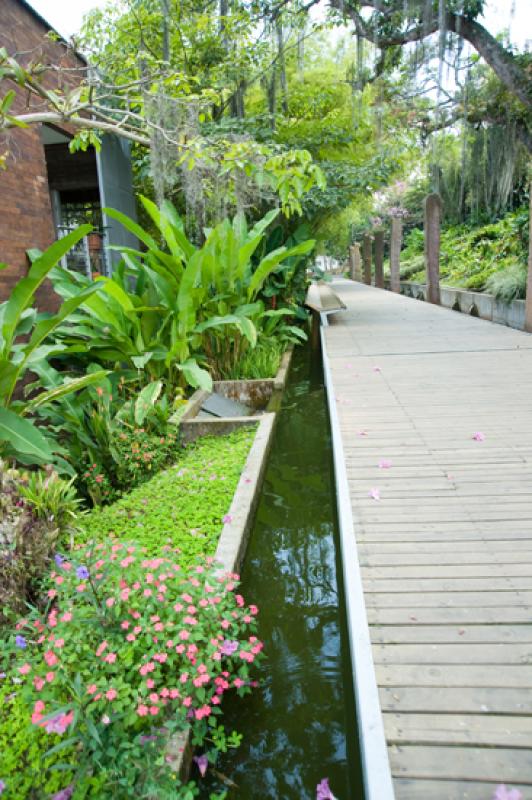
[[24, 347]]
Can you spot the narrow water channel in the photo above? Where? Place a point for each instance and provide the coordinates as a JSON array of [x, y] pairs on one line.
[[300, 726]]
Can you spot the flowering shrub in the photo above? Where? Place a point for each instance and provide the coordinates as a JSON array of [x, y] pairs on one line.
[[129, 651]]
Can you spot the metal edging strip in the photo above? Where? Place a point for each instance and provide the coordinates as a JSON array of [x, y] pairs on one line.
[[374, 752]]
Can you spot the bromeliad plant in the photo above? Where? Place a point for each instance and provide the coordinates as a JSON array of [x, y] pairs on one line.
[[130, 651], [26, 346]]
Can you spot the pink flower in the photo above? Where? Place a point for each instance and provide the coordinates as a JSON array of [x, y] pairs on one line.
[[131, 637], [111, 694], [38, 683], [110, 658], [92, 688], [142, 710], [125, 625], [227, 519], [147, 592], [110, 602], [59, 643], [106, 720], [154, 710], [184, 635], [24, 669], [101, 648], [81, 587], [503, 793], [51, 593], [154, 697], [150, 683], [50, 658], [39, 707], [67, 616], [49, 676], [203, 763], [479, 437], [253, 610]]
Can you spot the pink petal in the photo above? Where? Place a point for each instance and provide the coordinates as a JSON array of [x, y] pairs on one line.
[[376, 369], [384, 463], [479, 436], [362, 433], [375, 494]]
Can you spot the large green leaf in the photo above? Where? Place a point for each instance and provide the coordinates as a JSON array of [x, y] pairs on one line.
[[147, 398], [196, 376], [23, 436], [67, 387], [270, 263], [24, 292]]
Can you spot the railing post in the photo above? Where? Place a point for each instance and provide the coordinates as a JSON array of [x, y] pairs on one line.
[[366, 258], [528, 301], [354, 255], [433, 208], [378, 237], [395, 254]]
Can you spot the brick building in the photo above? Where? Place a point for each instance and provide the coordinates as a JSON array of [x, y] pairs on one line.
[[45, 190]]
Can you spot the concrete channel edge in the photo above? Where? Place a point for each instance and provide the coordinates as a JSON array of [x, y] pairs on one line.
[[374, 752]]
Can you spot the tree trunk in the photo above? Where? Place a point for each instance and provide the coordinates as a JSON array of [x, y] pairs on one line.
[[433, 207], [165, 11], [282, 67], [366, 258], [354, 257], [379, 259], [395, 254]]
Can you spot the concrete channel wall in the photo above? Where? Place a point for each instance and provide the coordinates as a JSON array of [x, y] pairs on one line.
[[477, 304], [235, 533]]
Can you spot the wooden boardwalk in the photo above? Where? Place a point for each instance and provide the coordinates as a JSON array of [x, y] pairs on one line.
[[446, 552]]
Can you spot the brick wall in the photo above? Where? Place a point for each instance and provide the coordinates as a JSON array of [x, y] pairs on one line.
[[25, 208]]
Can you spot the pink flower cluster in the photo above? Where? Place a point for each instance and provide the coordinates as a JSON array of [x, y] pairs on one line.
[[145, 636]]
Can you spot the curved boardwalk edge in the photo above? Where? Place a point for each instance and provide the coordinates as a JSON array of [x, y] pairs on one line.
[[374, 755], [435, 411]]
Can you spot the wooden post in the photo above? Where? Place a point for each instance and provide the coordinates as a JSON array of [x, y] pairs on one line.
[[366, 258], [395, 253], [354, 255], [433, 207], [528, 302], [379, 259]]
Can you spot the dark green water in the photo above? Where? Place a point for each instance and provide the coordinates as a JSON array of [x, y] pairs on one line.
[[299, 727]]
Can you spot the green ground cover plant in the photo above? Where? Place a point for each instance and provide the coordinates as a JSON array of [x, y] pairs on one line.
[[182, 506]]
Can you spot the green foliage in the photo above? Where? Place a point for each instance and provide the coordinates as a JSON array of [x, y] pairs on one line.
[[261, 362], [114, 437], [183, 505], [188, 306], [25, 348], [487, 257], [27, 771], [38, 511]]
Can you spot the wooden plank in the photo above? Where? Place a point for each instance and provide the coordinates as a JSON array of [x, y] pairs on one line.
[[459, 700], [503, 615], [449, 599], [498, 765], [465, 652], [406, 789], [476, 675], [423, 585], [450, 634], [455, 729]]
